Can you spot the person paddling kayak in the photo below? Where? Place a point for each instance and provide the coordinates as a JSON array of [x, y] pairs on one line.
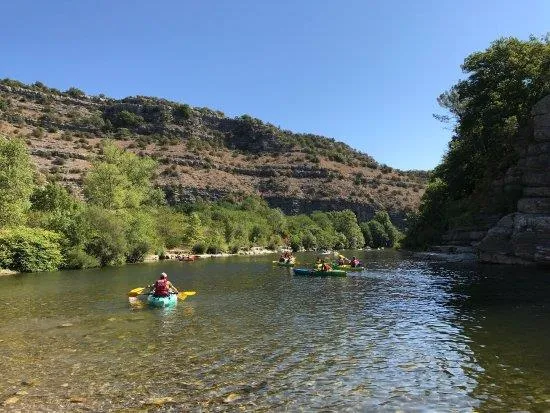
[[162, 287]]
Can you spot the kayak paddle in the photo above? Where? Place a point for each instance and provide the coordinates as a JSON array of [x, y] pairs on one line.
[[138, 291]]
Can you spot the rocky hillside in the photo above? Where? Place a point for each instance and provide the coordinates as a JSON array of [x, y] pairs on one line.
[[202, 153]]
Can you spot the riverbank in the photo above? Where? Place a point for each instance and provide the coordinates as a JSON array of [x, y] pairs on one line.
[[7, 272], [173, 254]]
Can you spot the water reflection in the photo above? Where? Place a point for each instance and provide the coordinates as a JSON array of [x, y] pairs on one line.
[[403, 334], [506, 313]]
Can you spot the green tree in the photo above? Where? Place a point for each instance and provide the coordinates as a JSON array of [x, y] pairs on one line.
[[51, 197], [121, 179], [490, 107], [345, 222], [379, 236], [126, 119], [171, 226], [194, 233], [182, 112], [141, 235], [365, 229], [106, 239], [75, 92], [394, 236], [16, 182], [30, 249]]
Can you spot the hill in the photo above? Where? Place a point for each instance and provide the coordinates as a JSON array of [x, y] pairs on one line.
[[202, 153]]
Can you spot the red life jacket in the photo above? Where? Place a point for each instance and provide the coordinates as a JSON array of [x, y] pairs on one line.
[[161, 288]]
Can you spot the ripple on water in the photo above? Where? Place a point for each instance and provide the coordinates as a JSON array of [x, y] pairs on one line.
[[401, 335]]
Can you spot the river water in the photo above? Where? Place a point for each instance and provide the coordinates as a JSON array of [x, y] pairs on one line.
[[405, 334]]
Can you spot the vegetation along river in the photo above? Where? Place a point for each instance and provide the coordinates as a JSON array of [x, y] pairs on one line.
[[403, 334]]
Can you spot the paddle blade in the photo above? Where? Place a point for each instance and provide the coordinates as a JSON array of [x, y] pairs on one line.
[[189, 292], [182, 296], [135, 292]]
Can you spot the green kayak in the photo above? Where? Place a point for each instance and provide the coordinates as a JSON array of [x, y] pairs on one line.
[[319, 273], [169, 301], [348, 268]]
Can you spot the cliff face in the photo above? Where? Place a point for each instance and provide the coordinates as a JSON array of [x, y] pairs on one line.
[[203, 154], [523, 237]]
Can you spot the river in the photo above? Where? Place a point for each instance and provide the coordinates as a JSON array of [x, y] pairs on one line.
[[405, 334]]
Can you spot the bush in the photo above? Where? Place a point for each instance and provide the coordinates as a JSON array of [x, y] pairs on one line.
[[182, 112], [199, 248], [106, 237], [30, 249], [365, 229], [125, 119], [76, 258], [214, 249], [75, 92], [379, 236]]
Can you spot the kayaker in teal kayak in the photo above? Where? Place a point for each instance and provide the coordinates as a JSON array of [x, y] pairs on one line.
[[162, 287]]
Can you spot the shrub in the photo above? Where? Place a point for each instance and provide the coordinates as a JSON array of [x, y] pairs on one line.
[[365, 229], [214, 249], [75, 92], [182, 112], [4, 104], [199, 248], [30, 249], [379, 236], [76, 258], [38, 133], [125, 119]]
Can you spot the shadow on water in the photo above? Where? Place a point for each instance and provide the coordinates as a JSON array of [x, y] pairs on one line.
[[403, 334], [505, 311]]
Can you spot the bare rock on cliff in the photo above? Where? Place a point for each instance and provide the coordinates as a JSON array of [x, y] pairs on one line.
[[524, 237]]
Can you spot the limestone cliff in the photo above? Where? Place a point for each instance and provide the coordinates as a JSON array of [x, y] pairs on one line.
[[523, 237]]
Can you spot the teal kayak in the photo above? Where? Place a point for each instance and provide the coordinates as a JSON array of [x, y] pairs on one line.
[[169, 301], [348, 268], [319, 273]]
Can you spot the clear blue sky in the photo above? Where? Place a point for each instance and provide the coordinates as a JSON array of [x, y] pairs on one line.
[[363, 72]]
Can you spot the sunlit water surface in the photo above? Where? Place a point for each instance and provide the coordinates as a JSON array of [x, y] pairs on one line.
[[402, 335]]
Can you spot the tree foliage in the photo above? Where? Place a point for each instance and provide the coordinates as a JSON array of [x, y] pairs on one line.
[[125, 218], [16, 182], [29, 249], [120, 179], [490, 108]]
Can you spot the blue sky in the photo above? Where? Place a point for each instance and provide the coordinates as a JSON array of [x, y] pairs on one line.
[[364, 72]]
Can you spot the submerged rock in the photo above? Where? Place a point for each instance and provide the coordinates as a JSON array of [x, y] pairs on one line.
[[10, 400], [159, 401], [231, 397]]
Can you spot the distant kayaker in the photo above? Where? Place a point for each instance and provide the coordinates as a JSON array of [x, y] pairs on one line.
[[287, 257], [326, 266], [355, 262], [162, 287]]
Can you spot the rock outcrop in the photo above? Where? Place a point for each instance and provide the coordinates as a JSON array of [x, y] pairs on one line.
[[523, 237]]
